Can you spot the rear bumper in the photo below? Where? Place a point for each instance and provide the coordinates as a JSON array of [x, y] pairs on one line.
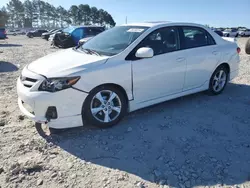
[[234, 74]]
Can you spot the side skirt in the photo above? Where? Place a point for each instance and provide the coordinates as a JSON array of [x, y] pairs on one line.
[[133, 105]]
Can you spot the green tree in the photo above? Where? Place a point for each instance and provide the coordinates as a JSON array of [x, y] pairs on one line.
[[16, 12], [3, 17], [29, 9], [62, 15], [74, 14], [38, 13], [94, 15], [84, 14]]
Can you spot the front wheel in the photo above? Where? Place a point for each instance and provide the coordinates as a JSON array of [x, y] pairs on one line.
[[104, 107], [218, 80]]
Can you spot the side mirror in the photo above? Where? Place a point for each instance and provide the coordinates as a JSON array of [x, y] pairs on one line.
[[144, 52]]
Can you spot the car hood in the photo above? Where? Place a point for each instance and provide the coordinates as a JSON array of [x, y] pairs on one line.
[[65, 62]]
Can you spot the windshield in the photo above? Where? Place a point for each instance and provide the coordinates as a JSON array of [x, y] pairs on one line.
[[69, 29], [115, 40]]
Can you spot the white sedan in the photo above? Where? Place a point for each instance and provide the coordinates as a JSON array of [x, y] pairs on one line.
[[124, 69], [230, 33]]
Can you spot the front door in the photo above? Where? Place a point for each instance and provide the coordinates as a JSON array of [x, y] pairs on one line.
[[164, 73]]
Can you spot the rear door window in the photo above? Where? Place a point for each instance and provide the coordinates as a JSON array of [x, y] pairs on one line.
[[78, 33], [194, 37], [92, 31]]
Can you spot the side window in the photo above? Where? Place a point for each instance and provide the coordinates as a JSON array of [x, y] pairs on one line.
[[78, 33], [96, 31], [162, 41], [196, 37], [92, 31], [87, 31]]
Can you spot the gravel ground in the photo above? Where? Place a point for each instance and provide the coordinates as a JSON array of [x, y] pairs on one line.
[[193, 141]]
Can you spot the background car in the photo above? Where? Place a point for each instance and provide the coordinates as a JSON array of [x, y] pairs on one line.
[[3, 34], [15, 32], [230, 32], [79, 32], [47, 34], [51, 37], [36, 33], [220, 33], [244, 32]]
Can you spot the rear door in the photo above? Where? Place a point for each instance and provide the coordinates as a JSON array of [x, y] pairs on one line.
[[201, 53]]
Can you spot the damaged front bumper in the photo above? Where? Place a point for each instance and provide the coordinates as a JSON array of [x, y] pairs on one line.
[[59, 110]]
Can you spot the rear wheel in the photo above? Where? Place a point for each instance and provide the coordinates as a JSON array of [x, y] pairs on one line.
[[104, 107], [218, 80]]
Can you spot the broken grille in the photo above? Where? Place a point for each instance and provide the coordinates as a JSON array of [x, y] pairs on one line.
[[28, 82]]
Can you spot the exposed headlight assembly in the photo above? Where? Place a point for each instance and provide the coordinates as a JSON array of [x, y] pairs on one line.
[[58, 84]]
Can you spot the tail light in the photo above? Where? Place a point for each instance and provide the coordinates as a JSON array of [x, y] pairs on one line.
[[238, 50]]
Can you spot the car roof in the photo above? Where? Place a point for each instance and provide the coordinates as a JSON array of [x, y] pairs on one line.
[[161, 23]]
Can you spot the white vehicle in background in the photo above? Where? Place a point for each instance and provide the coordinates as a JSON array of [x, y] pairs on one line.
[[230, 33], [244, 32], [15, 32], [123, 69], [51, 37]]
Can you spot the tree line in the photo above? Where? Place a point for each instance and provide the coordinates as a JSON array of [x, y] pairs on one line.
[[37, 13]]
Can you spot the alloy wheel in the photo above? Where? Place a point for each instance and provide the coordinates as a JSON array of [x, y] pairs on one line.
[[105, 106], [219, 80]]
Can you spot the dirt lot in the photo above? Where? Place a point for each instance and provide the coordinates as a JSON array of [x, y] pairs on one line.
[[194, 141]]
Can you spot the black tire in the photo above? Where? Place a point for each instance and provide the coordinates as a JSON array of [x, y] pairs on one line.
[[87, 115], [211, 90], [247, 47], [236, 35]]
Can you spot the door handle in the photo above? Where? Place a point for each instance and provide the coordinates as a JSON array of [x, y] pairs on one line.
[[215, 52], [180, 59]]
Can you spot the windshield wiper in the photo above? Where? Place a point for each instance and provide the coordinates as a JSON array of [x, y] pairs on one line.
[[92, 51], [83, 49]]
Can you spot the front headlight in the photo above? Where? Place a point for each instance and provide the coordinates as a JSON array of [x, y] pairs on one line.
[[57, 84]]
